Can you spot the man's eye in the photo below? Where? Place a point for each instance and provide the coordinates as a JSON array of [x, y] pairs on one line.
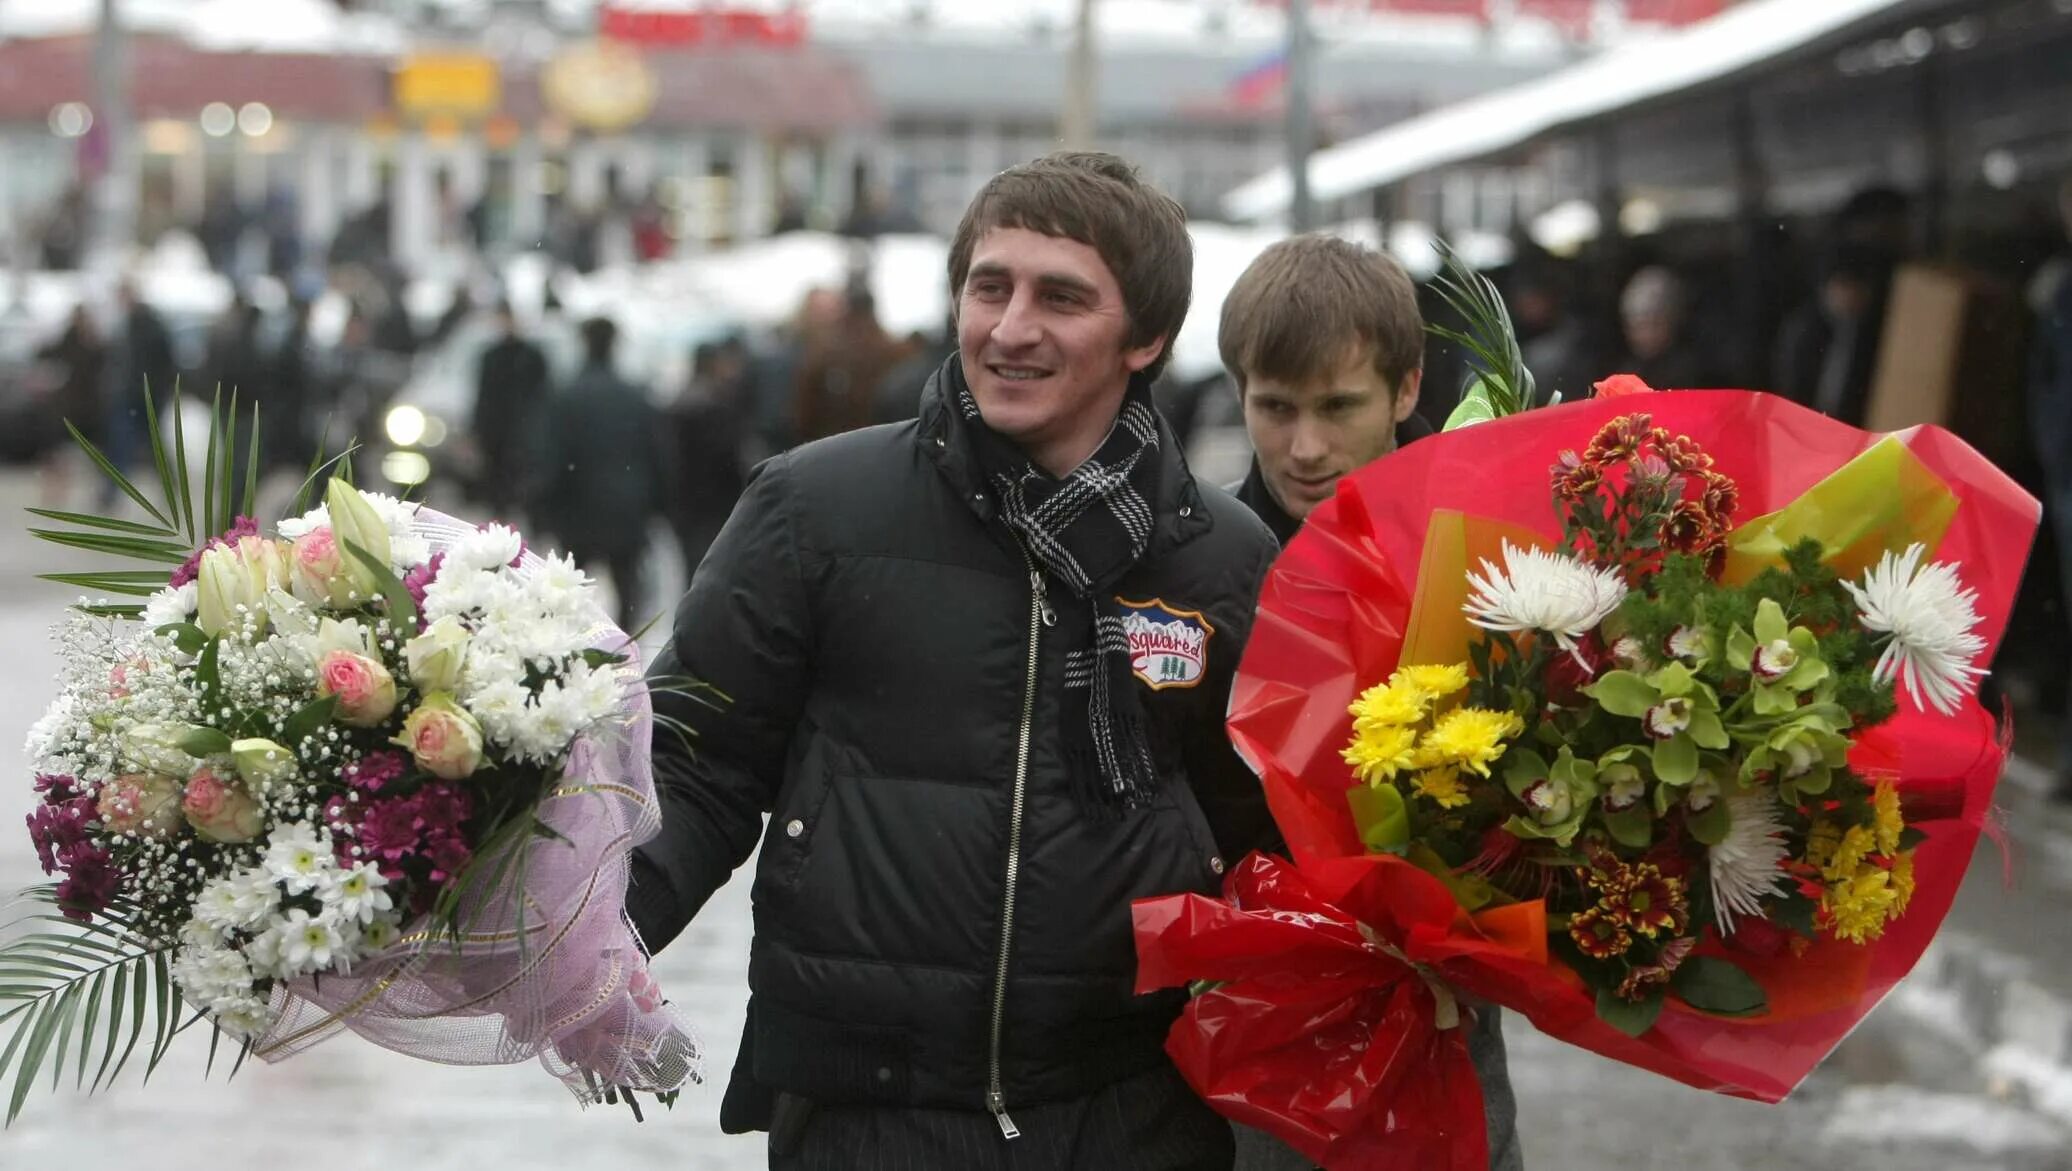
[[1062, 300]]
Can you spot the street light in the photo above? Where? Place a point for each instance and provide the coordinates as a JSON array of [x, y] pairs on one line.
[[255, 119], [71, 119]]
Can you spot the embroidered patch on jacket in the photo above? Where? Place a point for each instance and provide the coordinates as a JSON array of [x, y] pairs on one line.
[[1168, 647]]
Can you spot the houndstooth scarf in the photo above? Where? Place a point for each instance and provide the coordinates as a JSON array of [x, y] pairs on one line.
[[1084, 532]]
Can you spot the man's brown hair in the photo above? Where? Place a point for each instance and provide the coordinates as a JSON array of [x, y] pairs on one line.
[[1307, 305], [1098, 200]]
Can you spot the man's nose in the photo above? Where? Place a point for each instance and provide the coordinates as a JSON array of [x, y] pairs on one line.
[[1310, 441], [1019, 326]]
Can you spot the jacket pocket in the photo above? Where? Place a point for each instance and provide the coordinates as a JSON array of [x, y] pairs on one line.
[[1208, 862], [788, 843]]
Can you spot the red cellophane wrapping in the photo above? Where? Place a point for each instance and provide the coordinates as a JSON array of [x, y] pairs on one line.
[[1324, 1034]]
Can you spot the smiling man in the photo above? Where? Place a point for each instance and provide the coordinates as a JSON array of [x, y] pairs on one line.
[[1325, 343], [976, 667]]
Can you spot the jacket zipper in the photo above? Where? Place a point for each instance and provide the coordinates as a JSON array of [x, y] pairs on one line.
[[1040, 616]]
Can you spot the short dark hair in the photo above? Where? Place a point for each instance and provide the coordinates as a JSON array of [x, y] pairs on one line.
[[1309, 304], [599, 336], [1099, 200]]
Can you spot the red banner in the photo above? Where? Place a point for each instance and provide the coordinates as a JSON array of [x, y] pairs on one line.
[[705, 27], [1572, 17], [1672, 11]]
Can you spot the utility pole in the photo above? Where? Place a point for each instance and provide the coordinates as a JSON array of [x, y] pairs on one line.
[[1301, 123], [114, 196], [1081, 121]]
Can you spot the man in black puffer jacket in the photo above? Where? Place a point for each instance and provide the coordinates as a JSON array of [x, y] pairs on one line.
[[976, 668]]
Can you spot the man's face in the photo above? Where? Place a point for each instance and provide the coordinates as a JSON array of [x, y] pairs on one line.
[[1044, 340], [1310, 434]]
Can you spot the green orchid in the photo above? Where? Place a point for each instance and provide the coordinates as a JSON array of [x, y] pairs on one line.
[[1622, 774], [1680, 713], [1557, 797], [1803, 752], [1783, 661], [1706, 813]]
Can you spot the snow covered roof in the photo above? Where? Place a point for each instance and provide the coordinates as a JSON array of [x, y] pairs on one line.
[[1741, 38]]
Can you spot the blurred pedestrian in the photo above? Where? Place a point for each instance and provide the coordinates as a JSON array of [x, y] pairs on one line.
[[1826, 348], [840, 376], [69, 376], [1551, 335], [707, 425], [1326, 345], [2050, 419], [920, 634], [511, 392], [603, 475], [140, 355], [1651, 314]]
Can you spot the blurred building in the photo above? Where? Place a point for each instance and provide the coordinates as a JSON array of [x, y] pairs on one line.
[[429, 128]]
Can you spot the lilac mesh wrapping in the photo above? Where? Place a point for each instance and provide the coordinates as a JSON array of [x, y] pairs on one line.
[[575, 992]]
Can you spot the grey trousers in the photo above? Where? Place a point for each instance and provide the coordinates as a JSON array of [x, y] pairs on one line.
[[1260, 1151]]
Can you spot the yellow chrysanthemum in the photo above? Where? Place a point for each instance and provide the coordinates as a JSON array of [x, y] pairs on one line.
[[1388, 705], [1903, 882], [1470, 737], [1856, 845], [1437, 680], [1442, 786], [1821, 841], [1886, 820], [1858, 907], [1378, 752]]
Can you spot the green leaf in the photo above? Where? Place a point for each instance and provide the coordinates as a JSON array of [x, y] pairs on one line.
[[1380, 816], [162, 979], [1718, 986], [114, 1023], [93, 1021], [210, 522], [140, 994], [309, 719], [1706, 731], [119, 583], [185, 635], [1623, 693], [180, 467], [402, 608], [112, 611], [251, 499], [1676, 760], [200, 742], [111, 523], [117, 545], [1740, 649], [1474, 407], [1631, 1017], [160, 463], [208, 682], [68, 1022], [114, 474]]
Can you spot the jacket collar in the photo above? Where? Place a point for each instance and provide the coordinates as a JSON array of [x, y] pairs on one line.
[[945, 437]]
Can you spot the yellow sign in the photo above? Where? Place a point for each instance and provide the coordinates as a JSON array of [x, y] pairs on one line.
[[600, 85], [448, 85]]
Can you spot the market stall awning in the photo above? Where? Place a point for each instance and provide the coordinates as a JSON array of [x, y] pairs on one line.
[[1746, 37]]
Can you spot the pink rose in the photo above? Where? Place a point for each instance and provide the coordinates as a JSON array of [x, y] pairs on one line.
[[145, 805], [366, 691], [318, 566], [647, 994], [442, 737], [219, 808]]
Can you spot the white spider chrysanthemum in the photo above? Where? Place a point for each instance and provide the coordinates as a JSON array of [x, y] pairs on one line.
[[1549, 592], [1747, 865], [1929, 617]]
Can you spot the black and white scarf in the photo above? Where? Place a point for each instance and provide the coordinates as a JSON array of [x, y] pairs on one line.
[[1084, 532]]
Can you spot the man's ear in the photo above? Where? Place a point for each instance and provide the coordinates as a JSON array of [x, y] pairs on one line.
[[1406, 393], [1137, 358]]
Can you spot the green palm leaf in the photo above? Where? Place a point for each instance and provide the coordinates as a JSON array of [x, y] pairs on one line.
[[1503, 385], [61, 991]]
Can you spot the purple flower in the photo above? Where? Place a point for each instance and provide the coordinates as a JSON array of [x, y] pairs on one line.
[[374, 770], [90, 885], [242, 527], [420, 579]]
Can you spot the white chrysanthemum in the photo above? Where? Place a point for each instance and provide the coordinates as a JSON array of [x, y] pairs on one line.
[[355, 895], [307, 943], [1549, 592], [217, 905], [256, 897], [492, 547], [243, 1016], [1930, 617], [171, 604], [380, 934], [297, 858], [558, 576], [1747, 866], [45, 733]]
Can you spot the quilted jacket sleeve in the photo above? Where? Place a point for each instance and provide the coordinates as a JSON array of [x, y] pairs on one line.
[[742, 646]]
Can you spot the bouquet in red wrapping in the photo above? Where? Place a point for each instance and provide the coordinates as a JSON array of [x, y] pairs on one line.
[[1649, 717]]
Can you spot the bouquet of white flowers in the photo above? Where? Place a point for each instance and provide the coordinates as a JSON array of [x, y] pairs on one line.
[[380, 770]]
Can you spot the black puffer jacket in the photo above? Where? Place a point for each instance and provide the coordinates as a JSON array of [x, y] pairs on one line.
[[871, 621]]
